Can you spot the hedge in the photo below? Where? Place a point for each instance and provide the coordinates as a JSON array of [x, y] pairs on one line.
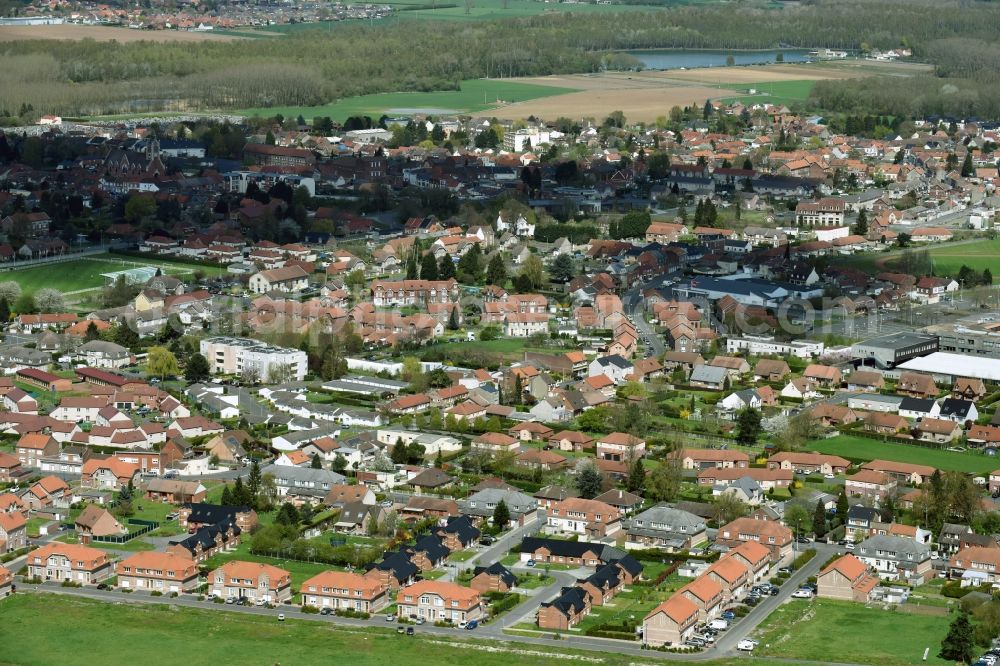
[[803, 559]]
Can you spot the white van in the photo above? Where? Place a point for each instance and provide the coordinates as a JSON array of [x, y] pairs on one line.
[[719, 625]]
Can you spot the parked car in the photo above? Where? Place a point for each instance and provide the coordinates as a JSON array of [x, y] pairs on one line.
[[420, 620], [849, 546], [326, 611], [231, 600], [281, 617], [728, 615], [695, 642], [409, 631], [746, 645], [802, 593], [472, 624], [390, 618], [102, 586], [530, 563]]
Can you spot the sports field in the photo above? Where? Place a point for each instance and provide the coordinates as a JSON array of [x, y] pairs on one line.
[[102, 33], [825, 630], [870, 449], [948, 259], [474, 95], [773, 92], [84, 274]]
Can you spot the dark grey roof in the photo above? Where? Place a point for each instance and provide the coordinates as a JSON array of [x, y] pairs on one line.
[[462, 527], [398, 563], [497, 569]]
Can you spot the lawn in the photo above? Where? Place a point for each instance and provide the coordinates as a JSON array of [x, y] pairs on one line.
[[474, 95], [84, 274], [870, 449], [102, 633], [848, 632], [773, 92]]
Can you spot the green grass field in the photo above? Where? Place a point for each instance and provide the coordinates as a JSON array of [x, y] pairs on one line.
[[773, 92], [826, 630], [871, 449], [104, 634], [474, 95], [948, 259], [84, 274]]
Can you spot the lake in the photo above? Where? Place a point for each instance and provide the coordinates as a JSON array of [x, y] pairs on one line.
[[676, 59]]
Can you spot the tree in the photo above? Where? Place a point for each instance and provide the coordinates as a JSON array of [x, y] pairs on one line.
[[563, 268], [316, 462], [589, 481], [842, 506], [470, 266], [253, 484], [139, 206], [162, 363], [797, 517], [411, 266], [533, 272], [227, 496], [819, 519], [429, 267], [636, 479], [287, 515], [501, 515], [49, 300], [124, 335], [496, 272], [339, 463], [10, 291], [748, 426], [727, 507], [861, 226], [398, 453], [197, 369], [967, 168], [664, 482], [958, 644], [25, 304], [5, 313], [453, 322], [446, 268]]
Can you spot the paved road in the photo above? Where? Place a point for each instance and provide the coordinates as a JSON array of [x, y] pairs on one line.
[[633, 307], [724, 647]]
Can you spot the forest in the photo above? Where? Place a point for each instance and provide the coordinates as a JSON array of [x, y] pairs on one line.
[[313, 67]]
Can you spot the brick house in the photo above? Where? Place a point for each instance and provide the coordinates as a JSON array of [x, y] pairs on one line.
[[671, 623], [63, 561], [585, 517], [251, 580], [346, 591], [31, 448], [494, 578], [439, 601], [846, 579], [162, 572], [13, 531], [775, 536]]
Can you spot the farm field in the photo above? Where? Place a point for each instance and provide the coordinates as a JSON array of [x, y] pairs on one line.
[[848, 632], [474, 95], [485, 10], [644, 96], [101, 633], [871, 449], [103, 33], [84, 274]]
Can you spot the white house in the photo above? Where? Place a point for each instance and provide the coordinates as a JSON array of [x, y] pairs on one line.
[[614, 366]]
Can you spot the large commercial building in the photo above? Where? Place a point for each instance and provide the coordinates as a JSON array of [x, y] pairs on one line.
[[238, 356], [888, 351], [761, 345], [976, 336], [946, 367]]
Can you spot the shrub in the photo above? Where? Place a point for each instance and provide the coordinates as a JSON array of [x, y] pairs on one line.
[[310, 610], [173, 595], [348, 612], [156, 593], [69, 583], [218, 600], [803, 559]]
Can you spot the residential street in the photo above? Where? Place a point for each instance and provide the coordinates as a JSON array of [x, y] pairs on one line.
[[724, 647]]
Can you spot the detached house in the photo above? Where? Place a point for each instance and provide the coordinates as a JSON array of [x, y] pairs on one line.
[[846, 579], [69, 562], [250, 580], [439, 601], [157, 572], [342, 590], [590, 518], [975, 565]]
